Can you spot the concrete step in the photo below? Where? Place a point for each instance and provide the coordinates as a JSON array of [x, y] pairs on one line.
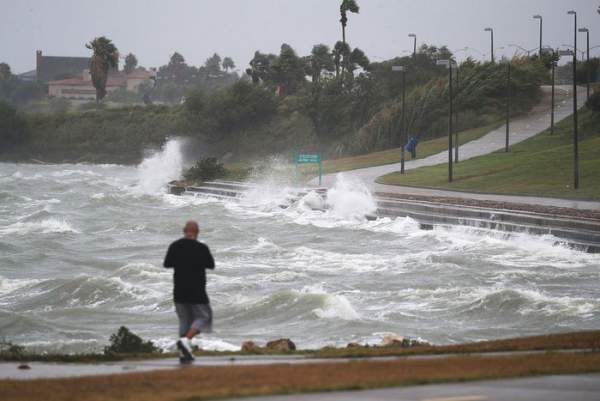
[[580, 239], [579, 233], [527, 218]]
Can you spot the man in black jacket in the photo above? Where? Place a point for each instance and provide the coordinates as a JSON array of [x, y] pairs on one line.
[[190, 258]]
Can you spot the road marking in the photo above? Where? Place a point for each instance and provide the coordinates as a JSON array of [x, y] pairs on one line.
[[459, 398]]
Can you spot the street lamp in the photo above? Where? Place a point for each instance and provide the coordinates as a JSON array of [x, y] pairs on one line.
[[402, 69], [575, 134], [412, 35], [449, 64], [491, 31], [507, 104], [555, 54], [537, 16], [587, 64]]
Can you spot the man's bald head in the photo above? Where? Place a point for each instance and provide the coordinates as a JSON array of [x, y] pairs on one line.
[[191, 229]]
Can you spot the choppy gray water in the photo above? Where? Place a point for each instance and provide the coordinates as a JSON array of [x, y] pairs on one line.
[[81, 248]]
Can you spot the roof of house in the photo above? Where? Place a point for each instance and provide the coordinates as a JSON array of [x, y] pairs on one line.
[[140, 74], [52, 67]]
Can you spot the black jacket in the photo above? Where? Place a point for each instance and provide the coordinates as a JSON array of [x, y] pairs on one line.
[[189, 259]]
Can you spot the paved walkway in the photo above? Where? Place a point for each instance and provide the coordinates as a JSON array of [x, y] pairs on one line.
[[544, 388], [45, 370], [521, 128]]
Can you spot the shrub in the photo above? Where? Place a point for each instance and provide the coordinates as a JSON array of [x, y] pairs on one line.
[[12, 125], [126, 342], [206, 169], [12, 350], [593, 102]]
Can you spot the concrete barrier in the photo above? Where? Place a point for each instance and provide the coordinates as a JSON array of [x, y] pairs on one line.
[[579, 233]]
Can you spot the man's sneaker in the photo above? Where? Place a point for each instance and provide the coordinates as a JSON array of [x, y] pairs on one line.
[[186, 350]]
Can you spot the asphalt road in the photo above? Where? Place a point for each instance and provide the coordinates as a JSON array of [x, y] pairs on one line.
[[544, 388]]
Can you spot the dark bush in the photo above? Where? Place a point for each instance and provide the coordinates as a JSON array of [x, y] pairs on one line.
[[206, 169], [12, 350], [126, 342], [593, 102], [12, 125]]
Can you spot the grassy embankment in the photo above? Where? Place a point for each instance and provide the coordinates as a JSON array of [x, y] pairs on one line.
[[389, 156], [541, 165]]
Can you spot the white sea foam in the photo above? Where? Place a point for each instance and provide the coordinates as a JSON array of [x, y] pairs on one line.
[[46, 226], [334, 306], [155, 171], [206, 343], [350, 199]]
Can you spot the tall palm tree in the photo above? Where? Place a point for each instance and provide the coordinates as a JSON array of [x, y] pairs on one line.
[[345, 7], [105, 56], [228, 64]]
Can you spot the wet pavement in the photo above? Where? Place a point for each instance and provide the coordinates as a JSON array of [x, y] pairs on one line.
[[544, 388]]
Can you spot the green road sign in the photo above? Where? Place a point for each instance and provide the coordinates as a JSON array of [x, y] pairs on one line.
[[303, 158], [307, 158]]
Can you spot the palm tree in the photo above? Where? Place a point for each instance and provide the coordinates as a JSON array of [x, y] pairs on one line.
[[320, 60], [345, 7], [228, 64], [131, 63], [105, 56], [340, 53]]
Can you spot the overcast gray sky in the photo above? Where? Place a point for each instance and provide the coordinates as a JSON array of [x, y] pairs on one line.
[[154, 29]]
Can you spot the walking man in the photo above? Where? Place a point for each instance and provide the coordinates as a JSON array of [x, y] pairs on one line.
[[190, 258]]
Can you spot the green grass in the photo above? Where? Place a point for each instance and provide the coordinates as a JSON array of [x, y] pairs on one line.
[[389, 156], [541, 165]]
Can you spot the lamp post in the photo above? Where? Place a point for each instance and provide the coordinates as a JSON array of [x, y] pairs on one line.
[[575, 134], [507, 105], [402, 69], [537, 16], [587, 66], [555, 54], [412, 35], [449, 64], [491, 31], [456, 120], [552, 107]]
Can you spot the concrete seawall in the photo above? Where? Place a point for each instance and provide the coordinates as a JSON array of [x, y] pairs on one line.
[[577, 232]]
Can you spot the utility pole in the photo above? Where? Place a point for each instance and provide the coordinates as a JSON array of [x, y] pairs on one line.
[[575, 133]]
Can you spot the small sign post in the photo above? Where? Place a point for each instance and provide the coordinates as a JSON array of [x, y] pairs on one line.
[[311, 158]]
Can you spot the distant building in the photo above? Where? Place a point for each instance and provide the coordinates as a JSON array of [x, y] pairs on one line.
[[50, 68], [29, 76], [81, 89]]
